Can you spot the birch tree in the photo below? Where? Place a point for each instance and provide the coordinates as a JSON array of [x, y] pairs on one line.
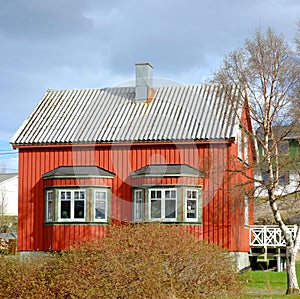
[[268, 70]]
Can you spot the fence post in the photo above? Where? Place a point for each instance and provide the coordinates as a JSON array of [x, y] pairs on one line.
[[12, 244]]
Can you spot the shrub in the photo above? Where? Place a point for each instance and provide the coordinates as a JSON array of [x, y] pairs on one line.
[[133, 261], [3, 246]]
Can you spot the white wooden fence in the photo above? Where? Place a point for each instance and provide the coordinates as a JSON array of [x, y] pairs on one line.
[[268, 235]]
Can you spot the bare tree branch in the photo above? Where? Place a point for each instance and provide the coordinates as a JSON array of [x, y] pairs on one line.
[[269, 70]]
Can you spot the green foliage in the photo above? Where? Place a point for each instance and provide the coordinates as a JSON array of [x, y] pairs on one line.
[[133, 261]]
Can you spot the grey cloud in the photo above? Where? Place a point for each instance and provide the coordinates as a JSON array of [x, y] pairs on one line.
[[179, 34], [92, 43], [33, 19]]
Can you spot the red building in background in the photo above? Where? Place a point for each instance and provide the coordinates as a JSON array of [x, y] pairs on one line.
[[174, 154]]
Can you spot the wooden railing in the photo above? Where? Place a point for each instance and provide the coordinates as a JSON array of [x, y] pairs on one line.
[[268, 235]]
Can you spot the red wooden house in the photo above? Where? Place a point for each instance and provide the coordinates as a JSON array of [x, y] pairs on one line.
[[90, 157]]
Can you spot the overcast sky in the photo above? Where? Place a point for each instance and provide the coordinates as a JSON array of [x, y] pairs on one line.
[[62, 44]]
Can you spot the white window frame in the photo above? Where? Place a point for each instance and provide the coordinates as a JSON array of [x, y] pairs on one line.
[[100, 200], [246, 149], [49, 205], [163, 200], [283, 147], [284, 178], [239, 144], [246, 210], [72, 205], [138, 205], [188, 208]]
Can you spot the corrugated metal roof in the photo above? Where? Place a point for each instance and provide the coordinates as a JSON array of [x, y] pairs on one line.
[[7, 176], [176, 113]]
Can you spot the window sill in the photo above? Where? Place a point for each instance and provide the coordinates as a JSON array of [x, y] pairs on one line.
[[54, 223], [167, 222]]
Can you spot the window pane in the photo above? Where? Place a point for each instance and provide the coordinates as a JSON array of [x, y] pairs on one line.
[[265, 176], [246, 153], [138, 214], [68, 194], [191, 205], [65, 209], [50, 207], [100, 195], [284, 178], [62, 194], [100, 208], [138, 209], [283, 147], [167, 194], [239, 144], [100, 205], [246, 210], [138, 194], [76, 194], [173, 194], [155, 209], [79, 209], [170, 209], [50, 195], [191, 209], [82, 195]]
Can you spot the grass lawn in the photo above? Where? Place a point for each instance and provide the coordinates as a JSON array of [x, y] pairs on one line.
[[268, 284]]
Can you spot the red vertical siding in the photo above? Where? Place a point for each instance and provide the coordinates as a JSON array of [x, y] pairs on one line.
[[219, 223]]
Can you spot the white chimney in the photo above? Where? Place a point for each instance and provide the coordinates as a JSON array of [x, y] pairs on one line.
[[143, 81]]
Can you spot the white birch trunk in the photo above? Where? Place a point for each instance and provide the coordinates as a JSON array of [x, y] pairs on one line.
[[292, 247], [292, 283]]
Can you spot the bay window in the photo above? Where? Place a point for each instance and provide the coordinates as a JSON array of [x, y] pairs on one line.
[[165, 202], [66, 202], [174, 204], [89, 204]]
